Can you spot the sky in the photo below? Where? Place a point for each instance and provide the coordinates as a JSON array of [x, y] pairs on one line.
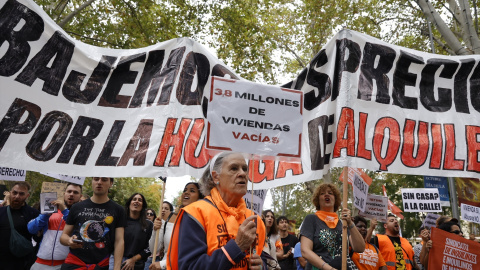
[[176, 184]]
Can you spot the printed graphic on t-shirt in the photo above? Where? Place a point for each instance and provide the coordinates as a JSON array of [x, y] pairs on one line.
[[94, 230], [400, 261], [369, 257]]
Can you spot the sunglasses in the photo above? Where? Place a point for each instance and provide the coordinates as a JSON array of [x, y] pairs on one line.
[[361, 226], [149, 214], [457, 232]]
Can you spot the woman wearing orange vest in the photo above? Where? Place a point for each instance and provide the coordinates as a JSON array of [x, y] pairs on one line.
[[218, 232]]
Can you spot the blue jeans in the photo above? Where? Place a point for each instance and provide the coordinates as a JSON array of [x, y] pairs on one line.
[[149, 262]]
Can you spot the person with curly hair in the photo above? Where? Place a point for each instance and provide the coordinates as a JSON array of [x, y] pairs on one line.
[[321, 233]]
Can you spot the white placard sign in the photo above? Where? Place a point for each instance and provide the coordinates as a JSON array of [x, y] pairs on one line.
[[360, 192], [11, 174], [258, 199], [376, 207], [470, 213], [67, 178], [254, 118], [421, 200], [430, 221]]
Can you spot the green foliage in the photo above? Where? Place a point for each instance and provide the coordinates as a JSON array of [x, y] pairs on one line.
[[122, 188], [267, 41], [299, 197]]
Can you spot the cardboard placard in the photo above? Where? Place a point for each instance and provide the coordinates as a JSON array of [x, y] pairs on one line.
[[57, 187], [376, 207]]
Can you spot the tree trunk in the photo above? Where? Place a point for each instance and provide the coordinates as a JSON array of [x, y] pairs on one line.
[[75, 12], [433, 16]]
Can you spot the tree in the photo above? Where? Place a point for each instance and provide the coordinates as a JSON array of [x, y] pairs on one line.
[[266, 41], [458, 35]]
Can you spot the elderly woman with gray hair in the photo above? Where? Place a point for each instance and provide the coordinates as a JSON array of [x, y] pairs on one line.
[[218, 232]]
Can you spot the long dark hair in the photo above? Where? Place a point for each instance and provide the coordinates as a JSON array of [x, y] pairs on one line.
[[153, 211], [200, 194], [273, 229], [143, 213]]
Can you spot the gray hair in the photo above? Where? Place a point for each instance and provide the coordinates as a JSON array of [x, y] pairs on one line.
[[206, 181]]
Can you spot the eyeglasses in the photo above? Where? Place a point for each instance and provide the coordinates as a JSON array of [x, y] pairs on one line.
[[361, 226], [457, 232], [149, 214]]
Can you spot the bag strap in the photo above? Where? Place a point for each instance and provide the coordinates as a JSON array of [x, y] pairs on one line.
[[10, 218]]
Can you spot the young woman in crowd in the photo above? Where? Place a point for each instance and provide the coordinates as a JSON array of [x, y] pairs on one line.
[[274, 244], [191, 193], [151, 215], [137, 235], [321, 233]]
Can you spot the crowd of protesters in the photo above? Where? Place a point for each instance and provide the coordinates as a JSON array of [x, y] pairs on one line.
[[211, 229]]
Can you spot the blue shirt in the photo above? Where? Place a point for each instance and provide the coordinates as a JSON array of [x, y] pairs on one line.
[[297, 252]]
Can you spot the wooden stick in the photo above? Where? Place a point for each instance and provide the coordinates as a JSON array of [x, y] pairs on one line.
[[344, 227], [251, 201], [157, 232]]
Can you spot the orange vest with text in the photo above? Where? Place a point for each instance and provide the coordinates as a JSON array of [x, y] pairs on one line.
[[207, 215], [387, 249]]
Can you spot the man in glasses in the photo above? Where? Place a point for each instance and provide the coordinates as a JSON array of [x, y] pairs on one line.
[[371, 258]]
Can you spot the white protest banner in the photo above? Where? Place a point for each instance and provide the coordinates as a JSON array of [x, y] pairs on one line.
[[11, 174], [140, 112], [360, 192], [67, 178], [421, 200], [258, 199], [470, 213], [430, 221], [376, 207], [253, 118]]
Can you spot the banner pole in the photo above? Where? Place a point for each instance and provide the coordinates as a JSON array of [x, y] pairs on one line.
[[253, 165], [251, 200], [157, 232], [344, 227]]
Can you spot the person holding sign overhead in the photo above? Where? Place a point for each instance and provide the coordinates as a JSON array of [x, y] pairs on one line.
[[219, 232], [321, 233]]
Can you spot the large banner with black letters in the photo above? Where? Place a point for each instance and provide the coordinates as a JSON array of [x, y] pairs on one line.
[[70, 108]]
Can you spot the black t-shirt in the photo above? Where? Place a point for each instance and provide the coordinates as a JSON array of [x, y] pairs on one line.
[[136, 238], [288, 243], [95, 224]]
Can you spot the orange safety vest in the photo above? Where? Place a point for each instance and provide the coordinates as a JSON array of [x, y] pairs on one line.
[[387, 249], [206, 214]]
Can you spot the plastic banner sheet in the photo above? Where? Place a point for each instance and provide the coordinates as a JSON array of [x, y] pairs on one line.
[[70, 108]]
